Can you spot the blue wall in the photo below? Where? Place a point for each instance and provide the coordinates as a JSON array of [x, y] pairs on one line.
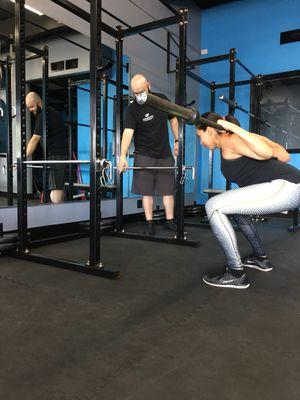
[[253, 28]]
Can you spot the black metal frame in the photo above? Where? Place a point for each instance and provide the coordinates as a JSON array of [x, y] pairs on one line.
[[95, 139], [45, 76], [181, 19], [233, 61], [93, 265], [256, 96], [70, 139], [21, 124], [180, 99]]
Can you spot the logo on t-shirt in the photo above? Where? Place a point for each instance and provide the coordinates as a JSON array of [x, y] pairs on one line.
[[148, 117]]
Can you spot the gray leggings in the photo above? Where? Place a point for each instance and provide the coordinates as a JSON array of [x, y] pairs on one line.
[[264, 198]]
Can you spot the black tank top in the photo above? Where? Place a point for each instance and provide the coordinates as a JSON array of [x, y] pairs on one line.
[[246, 171]]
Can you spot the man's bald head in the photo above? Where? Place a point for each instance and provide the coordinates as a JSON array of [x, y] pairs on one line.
[[33, 102], [139, 84]]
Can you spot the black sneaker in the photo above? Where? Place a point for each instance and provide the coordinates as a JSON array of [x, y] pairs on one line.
[[261, 264], [228, 280], [170, 225], [149, 228]]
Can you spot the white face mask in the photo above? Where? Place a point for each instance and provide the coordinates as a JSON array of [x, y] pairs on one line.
[[141, 98]]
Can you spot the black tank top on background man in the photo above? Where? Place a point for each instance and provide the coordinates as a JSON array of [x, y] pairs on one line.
[[57, 141], [246, 171], [151, 135]]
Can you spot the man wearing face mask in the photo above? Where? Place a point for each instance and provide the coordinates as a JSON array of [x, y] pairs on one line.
[[57, 144], [149, 128]]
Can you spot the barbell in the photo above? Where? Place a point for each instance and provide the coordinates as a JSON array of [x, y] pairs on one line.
[[190, 115]]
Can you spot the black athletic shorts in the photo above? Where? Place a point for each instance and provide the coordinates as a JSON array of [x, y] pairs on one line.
[[153, 182], [57, 173]]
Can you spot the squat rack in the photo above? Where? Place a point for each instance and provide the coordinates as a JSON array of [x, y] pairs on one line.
[[93, 265], [180, 18]]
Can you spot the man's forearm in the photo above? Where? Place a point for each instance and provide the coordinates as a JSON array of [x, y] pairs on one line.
[[175, 127], [31, 147], [126, 141]]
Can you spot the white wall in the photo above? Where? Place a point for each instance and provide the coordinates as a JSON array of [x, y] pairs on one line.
[[144, 56]]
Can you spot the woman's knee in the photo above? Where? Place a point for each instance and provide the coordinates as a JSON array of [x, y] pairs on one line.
[[210, 207]]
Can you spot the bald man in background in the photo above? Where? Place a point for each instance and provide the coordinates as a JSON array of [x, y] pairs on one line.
[[57, 144], [149, 128]]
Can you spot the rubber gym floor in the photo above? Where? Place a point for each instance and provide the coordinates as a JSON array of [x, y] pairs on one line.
[[158, 333]]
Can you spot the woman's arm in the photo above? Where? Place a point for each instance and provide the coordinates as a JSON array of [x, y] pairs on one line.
[[279, 151], [255, 142]]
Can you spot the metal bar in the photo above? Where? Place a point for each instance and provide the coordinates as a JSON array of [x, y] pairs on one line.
[[190, 116], [34, 50], [181, 100], [156, 24], [77, 124], [88, 90], [86, 125], [114, 83], [156, 168], [198, 79], [105, 116], [258, 103], [237, 83], [168, 52], [119, 128], [34, 57], [67, 5], [211, 152], [231, 109], [246, 68], [42, 162], [70, 265], [232, 58], [9, 149], [20, 122], [70, 140], [96, 26], [158, 239], [110, 81], [173, 40], [207, 60], [45, 76], [237, 107], [83, 89]]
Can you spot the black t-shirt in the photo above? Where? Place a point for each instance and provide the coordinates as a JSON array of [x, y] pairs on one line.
[[57, 141], [151, 135], [247, 171]]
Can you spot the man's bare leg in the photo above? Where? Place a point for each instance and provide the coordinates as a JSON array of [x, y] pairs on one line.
[[57, 196]]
